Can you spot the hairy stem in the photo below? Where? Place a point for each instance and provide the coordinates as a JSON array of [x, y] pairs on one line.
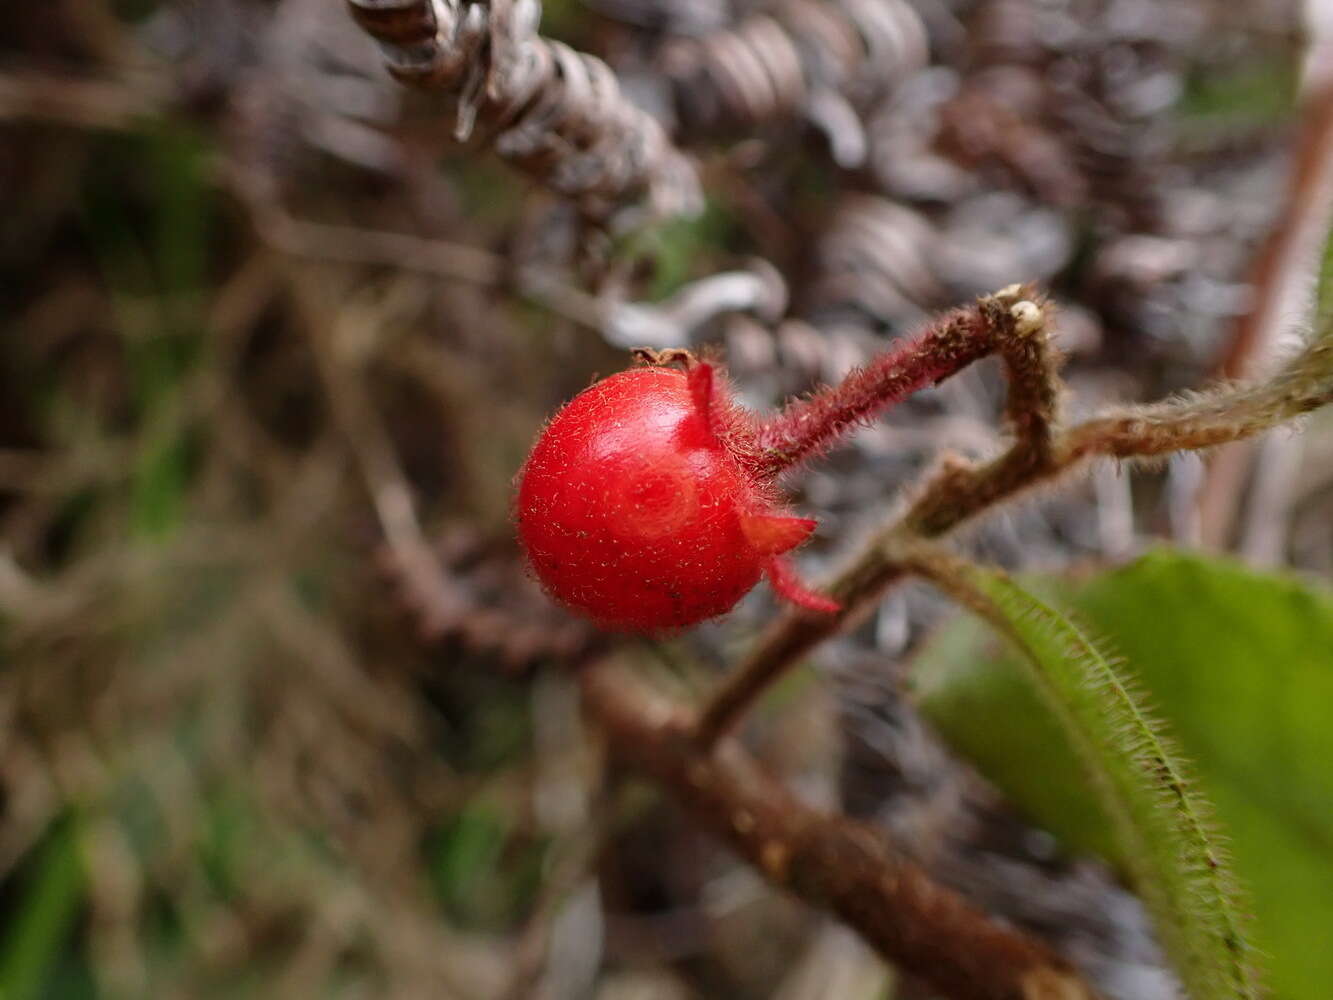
[[950, 343], [959, 491], [826, 860]]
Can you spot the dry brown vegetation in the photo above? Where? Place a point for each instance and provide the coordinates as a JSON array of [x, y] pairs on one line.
[[281, 713]]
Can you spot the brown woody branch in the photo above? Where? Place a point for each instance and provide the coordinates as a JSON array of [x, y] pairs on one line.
[[960, 491], [556, 114], [844, 866]]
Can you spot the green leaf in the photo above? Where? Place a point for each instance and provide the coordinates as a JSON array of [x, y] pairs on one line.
[[1241, 666], [1156, 815]]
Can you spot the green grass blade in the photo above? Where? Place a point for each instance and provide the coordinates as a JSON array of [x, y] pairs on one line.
[[43, 916]]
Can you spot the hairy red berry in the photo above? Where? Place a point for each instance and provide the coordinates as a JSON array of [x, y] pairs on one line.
[[635, 509], [650, 501]]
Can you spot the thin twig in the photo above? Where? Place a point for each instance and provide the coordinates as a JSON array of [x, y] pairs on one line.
[[424, 255], [90, 103], [841, 865], [1266, 531], [1286, 259], [671, 323], [368, 439], [1282, 270]]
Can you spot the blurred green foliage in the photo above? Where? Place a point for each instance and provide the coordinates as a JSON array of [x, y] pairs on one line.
[[485, 872], [679, 249], [155, 266], [1257, 92], [151, 238], [51, 892]]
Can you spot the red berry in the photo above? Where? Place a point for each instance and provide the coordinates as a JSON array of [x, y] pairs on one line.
[[650, 503], [638, 509]]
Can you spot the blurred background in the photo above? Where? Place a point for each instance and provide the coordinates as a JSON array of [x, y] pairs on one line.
[[281, 714]]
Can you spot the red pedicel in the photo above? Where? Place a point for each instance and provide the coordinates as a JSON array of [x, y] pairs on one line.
[[636, 510]]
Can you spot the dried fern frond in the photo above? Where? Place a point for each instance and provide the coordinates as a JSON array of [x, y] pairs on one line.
[[556, 114], [820, 61]]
